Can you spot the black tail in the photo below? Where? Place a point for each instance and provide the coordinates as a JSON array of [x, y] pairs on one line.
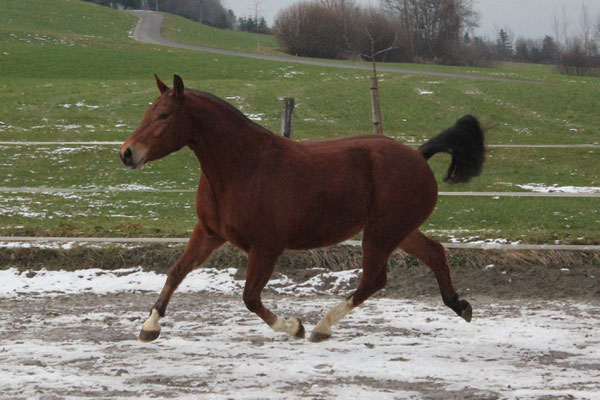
[[465, 142]]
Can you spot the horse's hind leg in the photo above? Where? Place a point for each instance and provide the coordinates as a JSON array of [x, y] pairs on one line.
[[433, 254], [374, 278], [260, 267], [199, 247]]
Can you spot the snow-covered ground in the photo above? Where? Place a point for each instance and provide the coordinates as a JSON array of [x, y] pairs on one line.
[[73, 335]]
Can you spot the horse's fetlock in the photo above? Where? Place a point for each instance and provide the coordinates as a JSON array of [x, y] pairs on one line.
[[451, 301]]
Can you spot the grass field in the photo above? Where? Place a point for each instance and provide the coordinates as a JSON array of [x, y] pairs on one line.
[[69, 71]]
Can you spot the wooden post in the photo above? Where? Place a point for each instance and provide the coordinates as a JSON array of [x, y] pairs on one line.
[[287, 117], [377, 128]]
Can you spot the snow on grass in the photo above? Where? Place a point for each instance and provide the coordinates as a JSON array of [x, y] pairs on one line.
[[38, 245], [542, 188], [423, 92], [486, 243], [79, 104], [256, 116]]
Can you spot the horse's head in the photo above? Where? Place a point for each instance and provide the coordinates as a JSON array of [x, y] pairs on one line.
[[164, 129]]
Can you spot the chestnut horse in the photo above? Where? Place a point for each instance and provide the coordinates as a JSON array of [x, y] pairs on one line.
[[264, 194]]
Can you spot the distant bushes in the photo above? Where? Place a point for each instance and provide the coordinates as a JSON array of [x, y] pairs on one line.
[[426, 31], [410, 31], [312, 30]]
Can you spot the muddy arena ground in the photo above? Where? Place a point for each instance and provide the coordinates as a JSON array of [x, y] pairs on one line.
[[74, 335]]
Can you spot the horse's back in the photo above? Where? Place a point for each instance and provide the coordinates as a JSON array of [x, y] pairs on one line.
[[376, 177], [387, 159]]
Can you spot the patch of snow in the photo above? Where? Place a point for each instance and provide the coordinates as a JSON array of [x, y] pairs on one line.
[[291, 74], [135, 279], [423, 92], [485, 243], [542, 188], [256, 116], [125, 187], [104, 281], [68, 127], [79, 104], [56, 245]]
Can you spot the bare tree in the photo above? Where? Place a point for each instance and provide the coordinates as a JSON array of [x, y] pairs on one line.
[[579, 50], [433, 28]]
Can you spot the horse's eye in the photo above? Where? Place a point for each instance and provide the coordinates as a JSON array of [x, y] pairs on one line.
[[163, 116]]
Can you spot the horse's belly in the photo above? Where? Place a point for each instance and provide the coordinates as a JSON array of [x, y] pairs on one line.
[[316, 241], [328, 227]]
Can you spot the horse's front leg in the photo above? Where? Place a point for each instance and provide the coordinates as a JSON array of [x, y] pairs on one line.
[[199, 247], [260, 267]]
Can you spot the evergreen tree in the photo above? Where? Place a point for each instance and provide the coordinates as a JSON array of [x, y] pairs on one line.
[[467, 38], [522, 52], [504, 45], [550, 50], [262, 26]]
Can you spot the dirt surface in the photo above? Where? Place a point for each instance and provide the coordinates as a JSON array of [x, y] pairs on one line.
[[532, 335], [55, 346], [499, 274]]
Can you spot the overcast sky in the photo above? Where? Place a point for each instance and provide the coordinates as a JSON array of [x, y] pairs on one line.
[[527, 18]]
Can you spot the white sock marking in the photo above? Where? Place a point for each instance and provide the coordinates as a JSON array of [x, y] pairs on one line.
[[290, 326], [334, 316], [151, 324]]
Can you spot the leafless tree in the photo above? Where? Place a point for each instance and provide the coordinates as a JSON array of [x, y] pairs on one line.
[[579, 49], [312, 30], [432, 27]]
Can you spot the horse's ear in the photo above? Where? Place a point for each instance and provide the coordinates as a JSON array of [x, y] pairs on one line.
[[177, 87], [161, 86]]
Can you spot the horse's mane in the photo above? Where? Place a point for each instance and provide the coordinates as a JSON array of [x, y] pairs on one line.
[[220, 101]]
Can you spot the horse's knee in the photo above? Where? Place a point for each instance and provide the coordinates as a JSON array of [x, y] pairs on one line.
[[253, 304]]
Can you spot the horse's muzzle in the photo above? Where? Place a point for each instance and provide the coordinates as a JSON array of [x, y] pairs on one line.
[[130, 157]]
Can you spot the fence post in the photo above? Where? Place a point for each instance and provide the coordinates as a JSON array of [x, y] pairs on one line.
[[287, 117], [375, 107]]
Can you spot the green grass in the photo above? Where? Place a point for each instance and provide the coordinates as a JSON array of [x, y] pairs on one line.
[[84, 167], [56, 54], [186, 31], [529, 220]]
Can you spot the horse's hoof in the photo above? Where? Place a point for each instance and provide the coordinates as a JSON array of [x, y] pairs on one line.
[[316, 337], [466, 312], [150, 329], [301, 333], [148, 336]]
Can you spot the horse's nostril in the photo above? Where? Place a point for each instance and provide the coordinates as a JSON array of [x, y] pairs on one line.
[[126, 156]]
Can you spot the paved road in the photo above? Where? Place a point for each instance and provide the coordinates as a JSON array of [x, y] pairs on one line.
[[148, 30]]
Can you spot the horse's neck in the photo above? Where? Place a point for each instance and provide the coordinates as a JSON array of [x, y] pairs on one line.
[[230, 149]]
